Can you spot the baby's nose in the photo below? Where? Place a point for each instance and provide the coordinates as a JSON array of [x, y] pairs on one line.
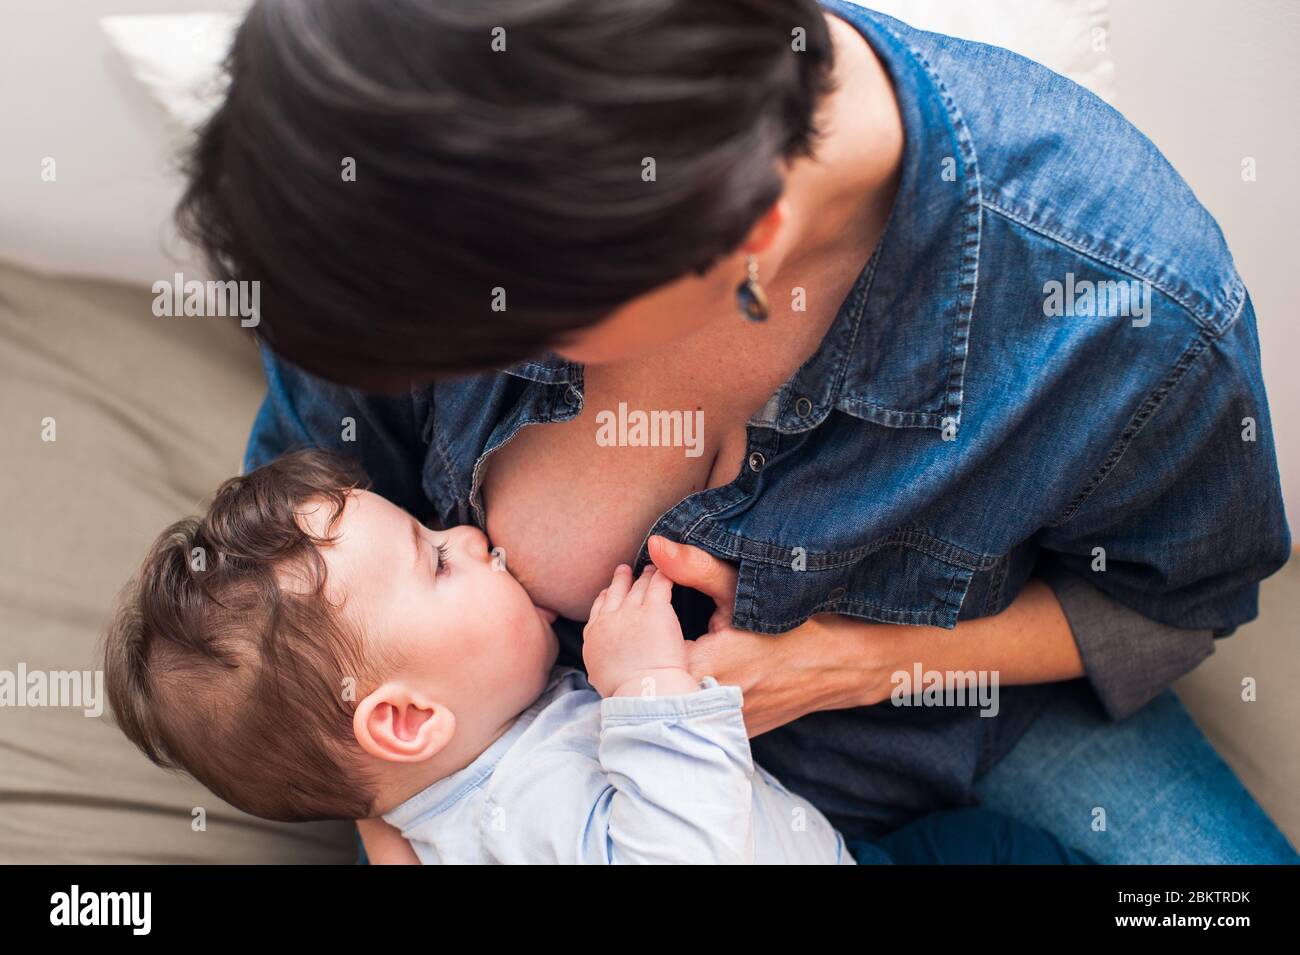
[[475, 541]]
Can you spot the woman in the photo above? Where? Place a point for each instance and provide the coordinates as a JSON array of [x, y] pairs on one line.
[[972, 366]]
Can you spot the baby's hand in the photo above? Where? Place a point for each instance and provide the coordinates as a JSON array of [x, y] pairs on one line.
[[632, 643]]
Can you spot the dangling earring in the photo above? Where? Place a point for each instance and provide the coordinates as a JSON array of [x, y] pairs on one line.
[[750, 297]]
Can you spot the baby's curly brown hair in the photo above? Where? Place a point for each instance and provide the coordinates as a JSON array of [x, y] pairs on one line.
[[226, 659]]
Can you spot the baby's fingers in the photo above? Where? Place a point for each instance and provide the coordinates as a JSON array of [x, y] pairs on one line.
[[660, 589], [636, 596], [617, 590], [597, 604]]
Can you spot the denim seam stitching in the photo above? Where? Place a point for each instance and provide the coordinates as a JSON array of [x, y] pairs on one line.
[[482, 458], [966, 579], [996, 583], [867, 610], [911, 539], [1203, 317], [876, 611], [437, 443], [972, 203], [1146, 411], [972, 215]]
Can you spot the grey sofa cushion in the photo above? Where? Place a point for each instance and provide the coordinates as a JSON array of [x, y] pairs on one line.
[[150, 414]]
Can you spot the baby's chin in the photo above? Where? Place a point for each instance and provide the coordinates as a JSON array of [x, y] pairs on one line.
[[547, 614]]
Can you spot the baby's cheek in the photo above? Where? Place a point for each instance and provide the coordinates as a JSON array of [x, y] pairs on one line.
[[528, 636]]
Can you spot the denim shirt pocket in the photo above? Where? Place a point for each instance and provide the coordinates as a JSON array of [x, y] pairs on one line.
[[908, 577]]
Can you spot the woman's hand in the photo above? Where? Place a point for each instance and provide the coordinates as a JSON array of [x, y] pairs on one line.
[[833, 662], [828, 662]]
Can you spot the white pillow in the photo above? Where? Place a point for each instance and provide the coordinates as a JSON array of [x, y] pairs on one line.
[[177, 57]]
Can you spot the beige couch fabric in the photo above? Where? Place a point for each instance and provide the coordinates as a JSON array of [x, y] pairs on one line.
[[1259, 739], [150, 414]]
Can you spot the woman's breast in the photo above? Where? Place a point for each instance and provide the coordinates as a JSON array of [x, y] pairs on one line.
[[568, 508]]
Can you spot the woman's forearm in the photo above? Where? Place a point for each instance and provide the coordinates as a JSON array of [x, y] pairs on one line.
[[834, 662], [1028, 642]]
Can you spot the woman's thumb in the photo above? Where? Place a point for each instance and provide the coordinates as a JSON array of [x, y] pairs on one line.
[[691, 567]]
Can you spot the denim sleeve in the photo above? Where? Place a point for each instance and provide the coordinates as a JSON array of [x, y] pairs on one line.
[[681, 775], [383, 432], [1166, 544]]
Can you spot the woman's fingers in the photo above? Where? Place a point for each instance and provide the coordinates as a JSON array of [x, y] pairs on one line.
[[692, 567]]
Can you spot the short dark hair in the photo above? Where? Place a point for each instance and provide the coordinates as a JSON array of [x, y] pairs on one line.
[[213, 666], [478, 169]]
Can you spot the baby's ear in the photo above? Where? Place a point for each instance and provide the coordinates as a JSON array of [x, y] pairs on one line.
[[402, 724]]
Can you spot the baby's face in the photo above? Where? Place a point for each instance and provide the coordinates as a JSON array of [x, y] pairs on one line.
[[439, 601]]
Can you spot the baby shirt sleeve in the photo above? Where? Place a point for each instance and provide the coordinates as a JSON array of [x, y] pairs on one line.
[[680, 779]]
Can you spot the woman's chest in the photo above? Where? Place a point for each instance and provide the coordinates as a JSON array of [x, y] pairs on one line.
[[890, 524], [569, 500]]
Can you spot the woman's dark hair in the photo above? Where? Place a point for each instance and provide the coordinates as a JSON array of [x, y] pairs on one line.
[[497, 145]]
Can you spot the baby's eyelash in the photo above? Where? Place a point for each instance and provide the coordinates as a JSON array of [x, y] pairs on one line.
[[443, 559]]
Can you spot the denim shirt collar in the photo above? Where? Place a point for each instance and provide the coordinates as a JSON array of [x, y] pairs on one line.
[[896, 353], [908, 348], [548, 369]]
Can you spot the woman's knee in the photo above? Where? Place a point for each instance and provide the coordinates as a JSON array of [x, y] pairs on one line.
[[1149, 789]]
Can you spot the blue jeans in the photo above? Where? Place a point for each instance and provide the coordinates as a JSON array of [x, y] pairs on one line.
[[966, 837], [1149, 789]]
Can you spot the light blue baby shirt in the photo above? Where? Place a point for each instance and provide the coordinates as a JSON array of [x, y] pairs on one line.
[[578, 779]]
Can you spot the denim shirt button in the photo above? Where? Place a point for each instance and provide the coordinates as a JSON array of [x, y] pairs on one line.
[[756, 461], [571, 397], [803, 407], [837, 593]]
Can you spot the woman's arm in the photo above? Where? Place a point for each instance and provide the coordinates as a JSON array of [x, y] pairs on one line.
[[836, 662]]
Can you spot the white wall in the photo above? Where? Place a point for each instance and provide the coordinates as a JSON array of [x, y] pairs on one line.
[[1212, 82], [65, 93]]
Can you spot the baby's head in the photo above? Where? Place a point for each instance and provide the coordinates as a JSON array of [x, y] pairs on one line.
[[308, 650]]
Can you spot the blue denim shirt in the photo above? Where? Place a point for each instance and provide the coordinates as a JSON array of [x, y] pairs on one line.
[[1049, 366]]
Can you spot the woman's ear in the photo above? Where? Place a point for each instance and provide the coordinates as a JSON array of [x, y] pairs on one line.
[[763, 232], [402, 724]]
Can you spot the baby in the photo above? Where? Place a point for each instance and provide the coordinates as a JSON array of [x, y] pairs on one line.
[[308, 650]]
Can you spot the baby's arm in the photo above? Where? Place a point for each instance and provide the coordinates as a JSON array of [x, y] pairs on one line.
[[384, 844], [676, 756]]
